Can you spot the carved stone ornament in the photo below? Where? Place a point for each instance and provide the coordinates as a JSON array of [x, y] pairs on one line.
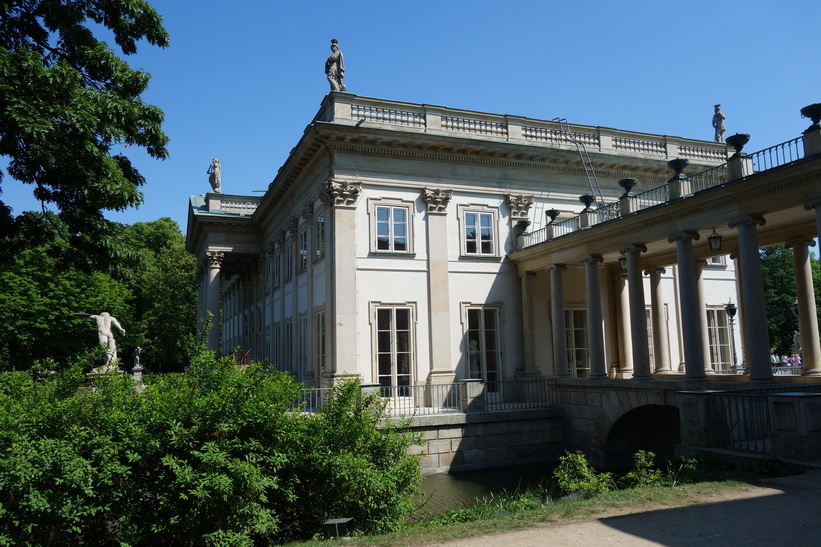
[[293, 225], [519, 206], [308, 211], [341, 193], [437, 200], [214, 258]]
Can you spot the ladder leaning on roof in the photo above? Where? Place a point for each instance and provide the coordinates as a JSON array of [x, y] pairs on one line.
[[589, 172]]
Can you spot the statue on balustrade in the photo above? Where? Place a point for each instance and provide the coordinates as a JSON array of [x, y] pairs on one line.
[[335, 68], [718, 124], [215, 175]]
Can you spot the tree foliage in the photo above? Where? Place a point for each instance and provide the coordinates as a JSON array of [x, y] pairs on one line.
[[69, 106], [155, 300], [214, 456]]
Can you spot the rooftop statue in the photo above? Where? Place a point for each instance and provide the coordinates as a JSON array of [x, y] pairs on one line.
[[335, 68], [718, 124], [215, 175]]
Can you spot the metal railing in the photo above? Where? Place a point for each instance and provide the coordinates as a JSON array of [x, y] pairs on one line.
[[708, 178], [650, 198], [780, 154], [517, 394], [422, 400], [310, 399], [787, 371]]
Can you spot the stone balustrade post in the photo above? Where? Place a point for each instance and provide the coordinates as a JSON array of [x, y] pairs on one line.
[[472, 396]]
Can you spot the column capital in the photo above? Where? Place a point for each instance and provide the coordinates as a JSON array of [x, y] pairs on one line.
[[634, 248], [655, 271], [792, 244], [522, 275], [214, 258], [747, 220], [556, 268], [684, 235], [437, 200], [812, 203], [519, 206], [341, 194], [591, 259]]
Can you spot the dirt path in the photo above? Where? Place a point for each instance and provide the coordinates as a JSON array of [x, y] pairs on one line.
[[783, 511]]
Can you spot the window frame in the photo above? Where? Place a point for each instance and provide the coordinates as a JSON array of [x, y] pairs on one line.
[[319, 237], [484, 373], [374, 205], [482, 211], [718, 350], [302, 250], [393, 351], [571, 330]]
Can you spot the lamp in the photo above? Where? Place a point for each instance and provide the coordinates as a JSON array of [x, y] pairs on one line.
[[715, 241], [623, 262]]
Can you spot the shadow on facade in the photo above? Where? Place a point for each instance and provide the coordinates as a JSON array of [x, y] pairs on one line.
[[652, 428]]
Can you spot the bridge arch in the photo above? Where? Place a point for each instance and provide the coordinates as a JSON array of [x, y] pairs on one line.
[[651, 427]]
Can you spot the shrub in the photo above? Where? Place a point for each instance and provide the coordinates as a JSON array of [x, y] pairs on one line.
[[215, 456], [643, 473], [574, 475]]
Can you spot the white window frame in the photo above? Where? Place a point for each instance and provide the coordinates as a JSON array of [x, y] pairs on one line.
[[303, 349], [288, 347], [490, 348], [466, 211], [319, 340], [302, 258], [289, 259], [319, 237], [276, 342], [393, 206], [278, 266], [393, 351], [719, 261], [721, 350], [578, 341]]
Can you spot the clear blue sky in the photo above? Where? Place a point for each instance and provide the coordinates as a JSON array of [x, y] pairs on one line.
[[241, 80]]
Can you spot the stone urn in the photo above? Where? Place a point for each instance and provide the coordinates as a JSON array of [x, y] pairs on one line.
[[588, 200], [627, 185], [678, 166], [738, 141], [812, 112], [552, 214]]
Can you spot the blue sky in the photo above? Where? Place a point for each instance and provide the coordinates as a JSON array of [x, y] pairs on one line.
[[242, 80]]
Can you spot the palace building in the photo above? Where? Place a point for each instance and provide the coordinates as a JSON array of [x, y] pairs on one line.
[[409, 244]]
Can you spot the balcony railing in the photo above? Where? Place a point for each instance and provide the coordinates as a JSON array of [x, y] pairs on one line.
[[769, 158]]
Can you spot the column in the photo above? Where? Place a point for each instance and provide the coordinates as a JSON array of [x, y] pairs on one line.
[[341, 289], [702, 310], [212, 299], [661, 340], [442, 367], [626, 364], [742, 327], [638, 321], [527, 325], [691, 330], [756, 334], [807, 319], [598, 367], [560, 364]]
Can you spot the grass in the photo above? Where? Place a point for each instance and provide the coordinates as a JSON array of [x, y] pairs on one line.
[[507, 515]]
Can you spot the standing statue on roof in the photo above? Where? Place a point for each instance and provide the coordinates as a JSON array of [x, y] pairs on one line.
[[215, 175], [335, 68], [718, 124]]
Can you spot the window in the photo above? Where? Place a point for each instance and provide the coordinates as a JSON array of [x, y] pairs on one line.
[[302, 346], [275, 351], [716, 261], [303, 250], [651, 344], [479, 232], [319, 337], [391, 226], [269, 272], [288, 346], [482, 338], [718, 331], [277, 267], [578, 351], [394, 347], [289, 260], [319, 237]]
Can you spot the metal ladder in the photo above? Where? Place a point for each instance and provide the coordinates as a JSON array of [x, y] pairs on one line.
[[589, 172]]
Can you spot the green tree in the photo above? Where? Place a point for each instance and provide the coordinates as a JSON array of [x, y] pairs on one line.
[[68, 108]]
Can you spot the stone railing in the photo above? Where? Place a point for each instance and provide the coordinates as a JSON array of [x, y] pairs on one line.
[[238, 205], [352, 109]]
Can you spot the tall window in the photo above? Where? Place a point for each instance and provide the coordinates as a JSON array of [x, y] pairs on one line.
[[718, 329], [288, 347], [578, 350], [394, 346], [303, 250], [289, 260], [275, 351], [319, 237], [483, 344], [277, 267], [302, 346], [392, 229], [319, 337]]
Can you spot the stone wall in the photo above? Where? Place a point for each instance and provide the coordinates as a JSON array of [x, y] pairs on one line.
[[461, 442]]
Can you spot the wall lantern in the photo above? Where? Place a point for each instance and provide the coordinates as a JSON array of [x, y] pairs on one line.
[[623, 262], [731, 309], [715, 241]]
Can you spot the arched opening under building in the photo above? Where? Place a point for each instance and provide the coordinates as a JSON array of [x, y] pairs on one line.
[[653, 428]]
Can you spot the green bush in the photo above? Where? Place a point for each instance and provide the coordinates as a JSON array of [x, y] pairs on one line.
[[644, 472], [574, 475], [215, 456]]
